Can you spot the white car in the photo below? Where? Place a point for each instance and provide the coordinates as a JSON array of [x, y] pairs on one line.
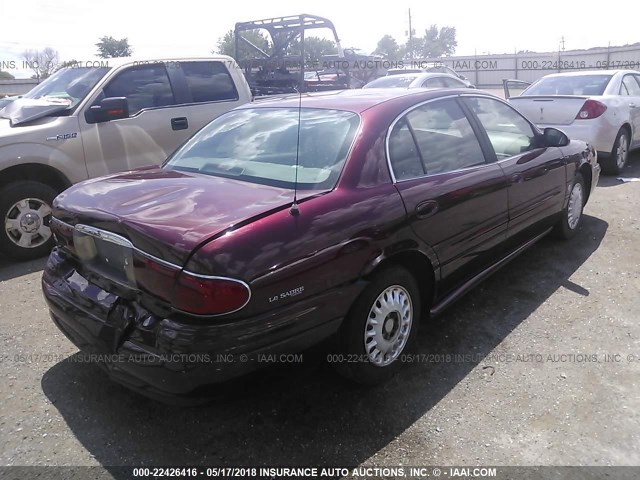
[[600, 107], [418, 80]]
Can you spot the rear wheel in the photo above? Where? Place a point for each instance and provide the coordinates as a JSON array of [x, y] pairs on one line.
[[571, 217], [25, 212], [617, 160], [380, 327]]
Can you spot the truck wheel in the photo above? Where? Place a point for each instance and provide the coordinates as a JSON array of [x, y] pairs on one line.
[[617, 159], [380, 327], [25, 212]]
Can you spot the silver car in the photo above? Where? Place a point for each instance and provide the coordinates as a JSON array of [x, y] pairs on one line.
[[417, 80], [600, 107], [96, 118]]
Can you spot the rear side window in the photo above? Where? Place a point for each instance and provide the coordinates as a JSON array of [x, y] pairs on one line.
[[209, 81], [452, 83], [436, 82], [433, 138], [145, 87], [630, 86]]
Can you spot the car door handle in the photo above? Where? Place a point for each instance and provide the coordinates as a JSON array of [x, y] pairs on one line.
[[426, 209], [632, 105], [179, 123]]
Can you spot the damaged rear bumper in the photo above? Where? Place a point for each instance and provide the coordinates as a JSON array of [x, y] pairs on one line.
[[168, 358]]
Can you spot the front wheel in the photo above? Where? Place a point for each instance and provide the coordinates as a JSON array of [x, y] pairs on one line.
[[571, 217], [25, 212], [616, 161], [380, 327]]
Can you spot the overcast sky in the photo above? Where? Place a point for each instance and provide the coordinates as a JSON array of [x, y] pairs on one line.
[[190, 27]]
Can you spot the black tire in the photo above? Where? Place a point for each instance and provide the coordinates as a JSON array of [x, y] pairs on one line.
[[566, 227], [617, 159], [10, 196], [352, 359]]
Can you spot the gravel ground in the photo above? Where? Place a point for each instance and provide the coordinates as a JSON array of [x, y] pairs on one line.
[[550, 377]]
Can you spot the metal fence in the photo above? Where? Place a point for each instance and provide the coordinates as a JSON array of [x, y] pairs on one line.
[[16, 87], [488, 71]]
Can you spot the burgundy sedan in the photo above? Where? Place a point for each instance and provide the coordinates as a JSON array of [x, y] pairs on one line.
[[348, 215]]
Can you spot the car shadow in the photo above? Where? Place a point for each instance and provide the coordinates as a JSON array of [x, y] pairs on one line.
[[12, 269], [304, 414], [632, 170]]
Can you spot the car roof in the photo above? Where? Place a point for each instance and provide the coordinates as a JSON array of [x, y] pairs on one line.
[[589, 72], [355, 100]]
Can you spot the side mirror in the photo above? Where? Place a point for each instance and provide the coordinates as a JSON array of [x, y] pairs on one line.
[[555, 138], [109, 109]]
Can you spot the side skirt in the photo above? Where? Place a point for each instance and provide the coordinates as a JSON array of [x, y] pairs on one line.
[[472, 282]]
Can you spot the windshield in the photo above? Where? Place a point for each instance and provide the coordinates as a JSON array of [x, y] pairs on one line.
[[569, 85], [393, 81], [260, 145], [68, 86]]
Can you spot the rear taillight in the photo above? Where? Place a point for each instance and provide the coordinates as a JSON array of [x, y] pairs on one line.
[[591, 109], [191, 293], [203, 295]]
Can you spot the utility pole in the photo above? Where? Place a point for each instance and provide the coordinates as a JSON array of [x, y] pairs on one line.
[[410, 38], [562, 43]]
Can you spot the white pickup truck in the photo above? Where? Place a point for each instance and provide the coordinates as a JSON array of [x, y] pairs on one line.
[[96, 118]]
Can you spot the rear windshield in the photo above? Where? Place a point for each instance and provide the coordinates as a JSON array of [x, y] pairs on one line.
[[260, 145], [392, 81], [570, 85]]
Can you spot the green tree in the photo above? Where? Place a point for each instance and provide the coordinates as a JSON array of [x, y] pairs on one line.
[[109, 47], [388, 47], [6, 76], [437, 42], [315, 48], [227, 45]]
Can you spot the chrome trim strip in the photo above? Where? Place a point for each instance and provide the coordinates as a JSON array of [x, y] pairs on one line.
[[456, 294], [120, 240]]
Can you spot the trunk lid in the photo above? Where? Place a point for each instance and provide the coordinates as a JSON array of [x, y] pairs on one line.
[[549, 110], [167, 213]]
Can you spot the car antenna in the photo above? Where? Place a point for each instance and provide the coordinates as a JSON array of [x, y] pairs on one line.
[[294, 210]]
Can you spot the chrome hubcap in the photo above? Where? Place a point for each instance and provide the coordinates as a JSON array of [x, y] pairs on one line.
[[575, 206], [388, 326], [27, 223], [621, 151]]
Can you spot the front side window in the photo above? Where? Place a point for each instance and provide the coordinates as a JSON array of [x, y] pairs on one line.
[[261, 145], [144, 87], [209, 81], [439, 135], [509, 133]]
